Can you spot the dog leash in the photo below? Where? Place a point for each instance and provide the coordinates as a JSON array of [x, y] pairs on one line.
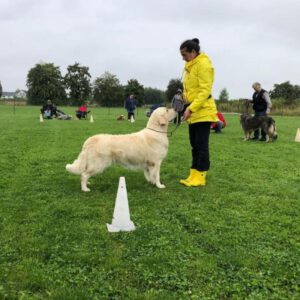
[[169, 134]]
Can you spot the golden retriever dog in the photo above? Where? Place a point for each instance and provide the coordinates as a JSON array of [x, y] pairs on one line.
[[144, 150]]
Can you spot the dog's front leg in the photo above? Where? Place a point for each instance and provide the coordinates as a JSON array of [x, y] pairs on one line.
[[152, 174], [157, 176], [147, 174]]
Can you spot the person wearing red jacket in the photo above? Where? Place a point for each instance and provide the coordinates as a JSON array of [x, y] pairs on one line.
[[219, 125], [82, 111]]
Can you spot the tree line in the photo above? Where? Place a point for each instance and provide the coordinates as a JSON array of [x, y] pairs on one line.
[[45, 81], [288, 93]]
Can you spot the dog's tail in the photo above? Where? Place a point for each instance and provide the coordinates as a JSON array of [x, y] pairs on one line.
[[272, 126], [79, 165], [275, 134]]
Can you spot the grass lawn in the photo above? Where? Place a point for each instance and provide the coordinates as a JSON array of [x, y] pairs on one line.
[[236, 238]]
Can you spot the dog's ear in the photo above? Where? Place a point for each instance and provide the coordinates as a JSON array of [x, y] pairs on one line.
[[162, 121]]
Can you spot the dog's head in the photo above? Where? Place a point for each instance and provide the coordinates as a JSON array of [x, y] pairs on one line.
[[244, 117], [161, 117]]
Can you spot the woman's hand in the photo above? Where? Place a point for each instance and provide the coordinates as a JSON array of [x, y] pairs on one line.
[[186, 114]]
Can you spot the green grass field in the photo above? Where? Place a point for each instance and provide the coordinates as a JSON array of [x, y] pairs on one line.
[[236, 238]]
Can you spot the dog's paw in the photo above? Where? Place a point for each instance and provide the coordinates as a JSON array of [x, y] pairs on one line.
[[86, 190], [160, 186]]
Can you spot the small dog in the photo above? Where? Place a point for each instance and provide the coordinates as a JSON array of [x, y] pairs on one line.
[[120, 118], [144, 150], [250, 123]]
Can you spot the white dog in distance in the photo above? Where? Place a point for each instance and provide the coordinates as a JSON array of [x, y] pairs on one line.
[[144, 150]]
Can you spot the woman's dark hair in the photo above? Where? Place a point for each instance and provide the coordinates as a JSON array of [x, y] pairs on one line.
[[191, 45]]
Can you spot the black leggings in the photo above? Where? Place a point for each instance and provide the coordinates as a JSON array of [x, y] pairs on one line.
[[199, 139], [130, 114]]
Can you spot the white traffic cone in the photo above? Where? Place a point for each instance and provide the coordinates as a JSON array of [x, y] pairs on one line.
[[41, 118], [91, 119], [121, 218], [132, 119], [297, 138]]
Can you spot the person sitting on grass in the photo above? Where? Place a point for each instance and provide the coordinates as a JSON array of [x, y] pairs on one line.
[[48, 110], [82, 111], [220, 124]]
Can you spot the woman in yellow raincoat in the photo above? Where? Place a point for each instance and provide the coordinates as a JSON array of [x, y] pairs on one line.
[[201, 112]]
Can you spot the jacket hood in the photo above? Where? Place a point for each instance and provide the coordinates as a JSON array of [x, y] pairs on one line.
[[190, 63]]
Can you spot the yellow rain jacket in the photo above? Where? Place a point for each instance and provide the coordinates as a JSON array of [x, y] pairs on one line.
[[197, 84]]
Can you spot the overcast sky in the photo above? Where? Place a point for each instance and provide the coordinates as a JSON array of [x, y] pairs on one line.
[[247, 41]]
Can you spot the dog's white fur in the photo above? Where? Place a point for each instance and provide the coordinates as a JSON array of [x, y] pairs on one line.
[[144, 150]]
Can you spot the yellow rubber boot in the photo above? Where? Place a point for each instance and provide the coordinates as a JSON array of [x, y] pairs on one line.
[[187, 180], [199, 179]]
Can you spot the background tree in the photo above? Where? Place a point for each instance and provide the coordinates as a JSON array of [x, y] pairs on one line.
[[224, 96], [133, 87], [152, 96], [78, 83], [173, 86], [108, 91], [0, 89], [286, 91], [44, 81]]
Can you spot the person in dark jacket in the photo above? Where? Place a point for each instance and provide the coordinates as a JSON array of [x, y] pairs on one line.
[[48, 110], [261, 105], [130, 106]]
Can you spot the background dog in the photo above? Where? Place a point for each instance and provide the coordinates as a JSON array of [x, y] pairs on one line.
[[61, 116], [250, 123], [145, 150], [120, 118]]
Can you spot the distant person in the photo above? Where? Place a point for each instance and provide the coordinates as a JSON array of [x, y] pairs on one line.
[[82, 111], [130, 105], [49, 110], [178, 104], [262, 107], [220, 124]]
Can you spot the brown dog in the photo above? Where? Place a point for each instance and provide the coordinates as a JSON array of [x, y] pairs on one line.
[[250, 123]]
